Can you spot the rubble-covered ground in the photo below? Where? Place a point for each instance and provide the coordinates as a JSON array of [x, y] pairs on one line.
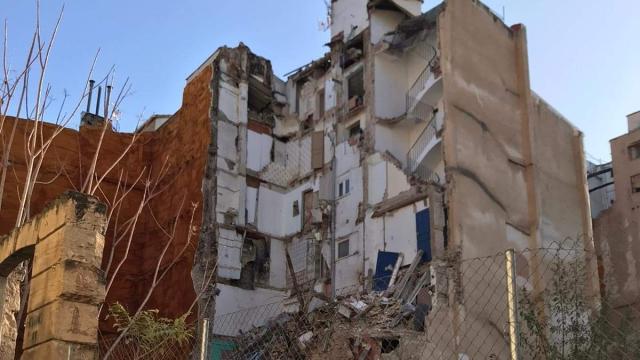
[[377, 325]]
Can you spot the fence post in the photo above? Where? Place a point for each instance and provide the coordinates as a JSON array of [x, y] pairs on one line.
[[512, 300], [204, 334]]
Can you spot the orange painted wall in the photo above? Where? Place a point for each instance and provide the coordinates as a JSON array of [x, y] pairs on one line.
[[182, 142]]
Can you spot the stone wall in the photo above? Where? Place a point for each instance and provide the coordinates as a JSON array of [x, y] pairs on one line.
[[65, 243]]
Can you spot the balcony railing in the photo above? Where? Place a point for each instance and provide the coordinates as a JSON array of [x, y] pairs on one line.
[[419, 85], [420, 111], [416, 166]]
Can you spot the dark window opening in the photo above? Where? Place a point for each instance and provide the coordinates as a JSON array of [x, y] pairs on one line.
[[272, 153], [634, 151], [296, 208], [635, 183], [355, 130], [343, 249], [255, 264], [307, 124], [344, 188], [320, 102], [355, 90]]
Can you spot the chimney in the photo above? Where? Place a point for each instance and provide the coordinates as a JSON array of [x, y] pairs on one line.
[[91, 82], [107, 99], [98, 101], [633, 121], [89, 119]]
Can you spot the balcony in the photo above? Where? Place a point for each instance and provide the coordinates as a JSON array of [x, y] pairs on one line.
[[424, 92], [423, 156]]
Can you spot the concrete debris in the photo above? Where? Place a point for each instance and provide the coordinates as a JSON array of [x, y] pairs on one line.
[[345, 311], [315, 303], [305, 338], [363, 326]]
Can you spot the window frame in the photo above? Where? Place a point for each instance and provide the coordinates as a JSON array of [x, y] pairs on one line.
[[340, 246]]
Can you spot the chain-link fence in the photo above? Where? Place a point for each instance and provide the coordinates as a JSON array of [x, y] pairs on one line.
[[142, 349], [528, 304]]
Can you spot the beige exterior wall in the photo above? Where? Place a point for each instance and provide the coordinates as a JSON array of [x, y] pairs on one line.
[[514, 166], [511, 160], [617, 231]]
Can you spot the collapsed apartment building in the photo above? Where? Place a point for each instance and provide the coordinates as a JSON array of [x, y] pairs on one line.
[[416, 133]]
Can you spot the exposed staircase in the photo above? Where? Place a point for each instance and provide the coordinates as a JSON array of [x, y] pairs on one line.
[[419, 110]]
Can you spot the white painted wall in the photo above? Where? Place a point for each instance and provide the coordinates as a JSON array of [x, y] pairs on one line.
[[258, 150], [349, 269], [382, 22], [394, 232], [400, 231], [293, 224], [377, 178], [307, 100], [252, 204], [329, 93], [347, 208], [390, 85], [277, 265], [347, 157], [414, 7], [229, 188], [270, 211], [396, 180], [394, 139], [385, 179], [228, 100], [346, 14], [275, 209], [227, 134], [229, 254], [248, 304]]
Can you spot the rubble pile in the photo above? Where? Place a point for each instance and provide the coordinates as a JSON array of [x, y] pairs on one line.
[[361, 326]]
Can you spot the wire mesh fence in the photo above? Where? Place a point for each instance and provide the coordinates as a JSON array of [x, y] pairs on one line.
[[136, 348], [528, 304]]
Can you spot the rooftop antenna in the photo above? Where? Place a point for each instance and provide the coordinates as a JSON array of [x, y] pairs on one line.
[[504, 17]]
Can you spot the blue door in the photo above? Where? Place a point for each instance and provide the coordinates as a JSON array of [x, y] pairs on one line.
[[423, 234], [384, 269]]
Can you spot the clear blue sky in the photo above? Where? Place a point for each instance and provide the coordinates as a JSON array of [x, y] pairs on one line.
[[584, 55]]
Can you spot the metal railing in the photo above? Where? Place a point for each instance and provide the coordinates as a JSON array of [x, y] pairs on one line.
[[420, 110], [418, 151], [421, 82]]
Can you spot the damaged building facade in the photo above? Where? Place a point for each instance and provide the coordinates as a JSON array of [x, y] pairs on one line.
[[416, 131], [415, 135]]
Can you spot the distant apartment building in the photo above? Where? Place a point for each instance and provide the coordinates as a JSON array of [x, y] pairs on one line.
[[601, 187], [616, 229]]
